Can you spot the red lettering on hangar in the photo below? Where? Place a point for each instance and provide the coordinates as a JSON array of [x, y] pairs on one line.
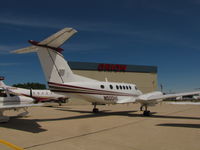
[[111, 67]]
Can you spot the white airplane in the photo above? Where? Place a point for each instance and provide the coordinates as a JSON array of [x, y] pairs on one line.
[[37, 95], [62, 80], [14, 102]]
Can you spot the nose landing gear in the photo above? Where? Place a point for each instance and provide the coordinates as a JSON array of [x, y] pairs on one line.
[[146, 112]]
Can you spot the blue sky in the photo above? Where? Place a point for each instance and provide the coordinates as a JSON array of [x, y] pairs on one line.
[[141, 32]]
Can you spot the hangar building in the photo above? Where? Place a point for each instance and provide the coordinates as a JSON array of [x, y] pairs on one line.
[[145, 77]]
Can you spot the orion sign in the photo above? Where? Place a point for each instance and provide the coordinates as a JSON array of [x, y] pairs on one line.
[[112, 67]]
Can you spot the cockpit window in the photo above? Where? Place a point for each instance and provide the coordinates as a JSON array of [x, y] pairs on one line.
[[111, 87]]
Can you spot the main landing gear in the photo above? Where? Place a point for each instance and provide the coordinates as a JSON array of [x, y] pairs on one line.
[[145, 112], [95, 110]]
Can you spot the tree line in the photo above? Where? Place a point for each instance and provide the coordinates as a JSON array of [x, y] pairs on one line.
[[30, 85]]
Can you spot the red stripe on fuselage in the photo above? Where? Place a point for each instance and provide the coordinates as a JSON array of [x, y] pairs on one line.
[[90, 91]]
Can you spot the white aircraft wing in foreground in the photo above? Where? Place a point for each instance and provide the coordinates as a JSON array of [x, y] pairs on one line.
[[62, 80], [14, 102]]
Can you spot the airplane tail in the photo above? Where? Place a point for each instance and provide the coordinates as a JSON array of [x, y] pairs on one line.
[[55, 67]]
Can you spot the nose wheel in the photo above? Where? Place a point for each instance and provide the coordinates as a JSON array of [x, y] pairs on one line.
[[146, 112]]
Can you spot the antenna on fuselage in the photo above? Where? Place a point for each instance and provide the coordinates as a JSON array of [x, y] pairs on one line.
[[106, 79]]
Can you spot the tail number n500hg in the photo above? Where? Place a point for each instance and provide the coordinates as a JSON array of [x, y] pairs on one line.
[[110, 98]]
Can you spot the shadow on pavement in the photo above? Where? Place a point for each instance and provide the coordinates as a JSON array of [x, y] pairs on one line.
[[184, 125], [27, 125]]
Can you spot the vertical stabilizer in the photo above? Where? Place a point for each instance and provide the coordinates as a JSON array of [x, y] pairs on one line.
[[55, 67]]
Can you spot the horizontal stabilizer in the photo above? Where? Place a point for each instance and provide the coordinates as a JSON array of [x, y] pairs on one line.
[[25, 50], [58, 39], [53, 42]]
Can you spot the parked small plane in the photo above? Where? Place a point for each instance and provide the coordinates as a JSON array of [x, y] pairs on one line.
[[62, 80], [14, 102], [37, 95]]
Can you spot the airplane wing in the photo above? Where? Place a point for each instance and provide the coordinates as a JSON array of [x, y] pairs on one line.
[[128, 100], [184, 103], [18, 106], [153, 96]]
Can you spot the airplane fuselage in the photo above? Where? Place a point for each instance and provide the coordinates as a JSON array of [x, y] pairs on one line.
[[97, 92], [39, 95]]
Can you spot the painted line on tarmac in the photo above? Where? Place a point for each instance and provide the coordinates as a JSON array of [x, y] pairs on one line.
[[10, 145]]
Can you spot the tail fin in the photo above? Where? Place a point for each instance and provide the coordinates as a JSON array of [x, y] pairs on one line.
[[55, 67]]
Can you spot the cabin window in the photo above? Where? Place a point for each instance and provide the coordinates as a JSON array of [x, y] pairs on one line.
[[111, 87], [117, 87], [102, 86]]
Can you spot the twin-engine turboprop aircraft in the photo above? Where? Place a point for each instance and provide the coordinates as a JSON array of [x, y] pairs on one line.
[[37, 95], [62, 80]]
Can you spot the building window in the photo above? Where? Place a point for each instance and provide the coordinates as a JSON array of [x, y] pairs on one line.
[[102, 86], [111, 87]]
